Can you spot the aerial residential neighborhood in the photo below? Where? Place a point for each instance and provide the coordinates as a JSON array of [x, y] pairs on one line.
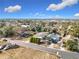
[[39, 29], [44, 36]]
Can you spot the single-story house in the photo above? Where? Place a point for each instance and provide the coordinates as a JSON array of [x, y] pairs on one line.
[[41, 35], [54, 38], [25, 26], [26, 34]]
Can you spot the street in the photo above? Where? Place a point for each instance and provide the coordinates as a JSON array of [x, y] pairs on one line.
[[63, 54]]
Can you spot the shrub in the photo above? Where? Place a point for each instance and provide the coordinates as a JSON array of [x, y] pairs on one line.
[[71, 45], [8, 32], [34, 40]]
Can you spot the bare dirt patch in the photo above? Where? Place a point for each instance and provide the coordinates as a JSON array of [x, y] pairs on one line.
[[25, 53]]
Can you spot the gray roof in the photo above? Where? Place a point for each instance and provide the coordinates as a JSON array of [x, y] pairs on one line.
[[41, 35], [54, 36]]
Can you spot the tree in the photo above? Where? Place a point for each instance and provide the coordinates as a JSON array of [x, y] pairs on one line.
[[1, 32], [71, 45], [33, 29], [39, 28], [8, 32], [74, 31]]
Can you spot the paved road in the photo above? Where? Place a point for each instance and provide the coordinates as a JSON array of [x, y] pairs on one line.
[[64, 54]]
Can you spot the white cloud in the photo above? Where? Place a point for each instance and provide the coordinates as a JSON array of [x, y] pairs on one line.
[[62, 5], [12, 8], [77, 15]]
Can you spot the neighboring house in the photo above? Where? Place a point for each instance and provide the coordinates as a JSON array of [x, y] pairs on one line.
[[54, 38], [41, 35], [25, 34], [25, 26]]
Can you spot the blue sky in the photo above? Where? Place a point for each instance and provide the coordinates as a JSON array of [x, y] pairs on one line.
[[39, 8]]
